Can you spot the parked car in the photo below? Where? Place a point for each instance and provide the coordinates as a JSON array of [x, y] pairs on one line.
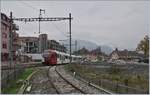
[[120, 62]]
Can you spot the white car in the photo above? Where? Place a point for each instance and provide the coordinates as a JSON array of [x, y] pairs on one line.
[[120, 62]]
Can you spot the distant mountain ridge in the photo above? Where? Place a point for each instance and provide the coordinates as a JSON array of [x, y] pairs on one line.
[[89, 45], [106, 49]]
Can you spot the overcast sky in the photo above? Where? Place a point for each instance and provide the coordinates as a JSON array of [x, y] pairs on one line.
[[115, 23]]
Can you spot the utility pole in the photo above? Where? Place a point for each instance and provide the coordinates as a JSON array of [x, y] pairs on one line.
[[40, 16], [10, 38], [75, 45], [70, 35], [39, 19], [10, 43]]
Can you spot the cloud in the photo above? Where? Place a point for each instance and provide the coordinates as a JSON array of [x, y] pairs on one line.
[[119, 24]]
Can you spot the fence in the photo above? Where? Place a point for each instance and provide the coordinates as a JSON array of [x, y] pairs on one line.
[[114, 87], [8, 76]]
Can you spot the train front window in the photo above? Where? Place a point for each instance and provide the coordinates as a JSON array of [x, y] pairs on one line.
[[66, 57]]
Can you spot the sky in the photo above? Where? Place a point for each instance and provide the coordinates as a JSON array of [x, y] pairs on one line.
[[120, 24]]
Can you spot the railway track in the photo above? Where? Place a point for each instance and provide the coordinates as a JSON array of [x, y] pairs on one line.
[[40, 83], [50, 80], [55, 79], [61, 85], [85, 86]]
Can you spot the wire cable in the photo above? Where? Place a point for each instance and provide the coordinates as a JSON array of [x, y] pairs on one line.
[[29, 5], [56, 26]]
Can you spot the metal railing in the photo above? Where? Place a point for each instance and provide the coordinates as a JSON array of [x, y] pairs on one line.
[[113, 86]]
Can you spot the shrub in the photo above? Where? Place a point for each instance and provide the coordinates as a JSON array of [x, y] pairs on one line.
[[114, 69]]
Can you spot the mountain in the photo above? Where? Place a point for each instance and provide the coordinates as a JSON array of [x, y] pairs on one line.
[[80, 44], [88, 45], [106, 49]]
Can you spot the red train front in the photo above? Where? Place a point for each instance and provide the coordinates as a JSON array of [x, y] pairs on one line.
[[50, 57], [53, 57]]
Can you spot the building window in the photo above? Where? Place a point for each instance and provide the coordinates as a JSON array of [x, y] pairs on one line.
[[30, 43], [5, 46], [4, 35], [5, 26]]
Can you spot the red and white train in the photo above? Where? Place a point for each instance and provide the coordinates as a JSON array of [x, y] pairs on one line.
[[53, 57]]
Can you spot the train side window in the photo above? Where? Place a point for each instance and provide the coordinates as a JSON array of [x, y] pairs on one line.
[[60, 56], [66, 57], [63, 57], [57, 55]]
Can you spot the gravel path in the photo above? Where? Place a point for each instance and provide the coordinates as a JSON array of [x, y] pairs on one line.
[[40, 83]]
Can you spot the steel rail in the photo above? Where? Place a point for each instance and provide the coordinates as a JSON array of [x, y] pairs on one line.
[[88, 83], [51, 81], [70, 83]]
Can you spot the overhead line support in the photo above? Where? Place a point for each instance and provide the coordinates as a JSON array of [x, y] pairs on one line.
[[39, 19]]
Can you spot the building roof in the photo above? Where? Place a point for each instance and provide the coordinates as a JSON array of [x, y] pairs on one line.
[[29, 38], [126, 53], [4, 17]]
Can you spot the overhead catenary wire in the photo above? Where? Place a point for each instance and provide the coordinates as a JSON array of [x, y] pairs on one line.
[[56, 26], [21, 1], [40, 19]]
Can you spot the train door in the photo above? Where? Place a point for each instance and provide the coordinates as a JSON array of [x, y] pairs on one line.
[[58, 58], [53, 59]]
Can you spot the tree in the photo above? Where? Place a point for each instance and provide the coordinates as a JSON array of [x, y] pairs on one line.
[[97, 51], [82, 51], [99, 58], [144, 46]]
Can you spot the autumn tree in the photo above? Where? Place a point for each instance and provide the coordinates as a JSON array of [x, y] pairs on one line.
[[144, 46]]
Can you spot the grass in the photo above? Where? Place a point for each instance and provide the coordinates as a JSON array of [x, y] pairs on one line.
[[26, 73], [113, 74], [14, 87]]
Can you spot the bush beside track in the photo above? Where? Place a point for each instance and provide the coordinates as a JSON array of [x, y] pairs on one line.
[[113, 74], [15, 85]]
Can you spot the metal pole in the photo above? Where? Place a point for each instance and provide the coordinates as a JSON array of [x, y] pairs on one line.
[[75, 45], [40, 16], [39, 20], [11, 30], [70, 35], [39, 25], [10, 44]]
